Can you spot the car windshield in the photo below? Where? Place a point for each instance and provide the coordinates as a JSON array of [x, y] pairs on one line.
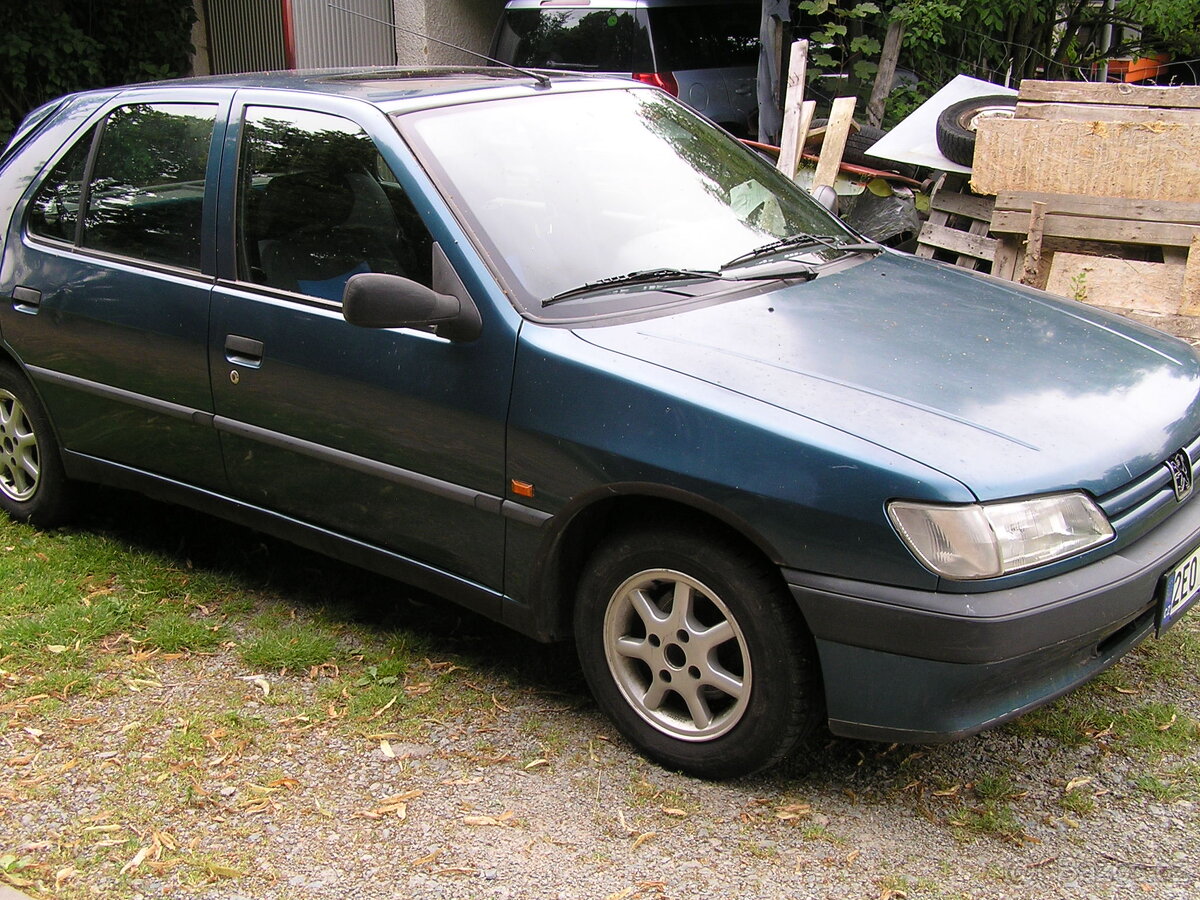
[[568, 189]]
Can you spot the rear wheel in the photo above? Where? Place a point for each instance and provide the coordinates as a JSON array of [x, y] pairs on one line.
[[33, 486], [695, 651]]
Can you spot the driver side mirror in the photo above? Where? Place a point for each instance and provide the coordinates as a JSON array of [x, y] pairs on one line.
[[377, 300]]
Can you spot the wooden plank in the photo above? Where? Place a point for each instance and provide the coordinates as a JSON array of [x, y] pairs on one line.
[[841, 116], [1102, 207], [962, 242], [1088, 112], [1154, 161], [1180, 96], [969, 205], [1033, 243], [1007, 257], [1189, 301], [886, 72], [795, 128], [1113, 230], [978, 227], [1116, 283]]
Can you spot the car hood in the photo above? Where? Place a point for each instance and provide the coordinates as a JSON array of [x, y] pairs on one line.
[[1006, 389]]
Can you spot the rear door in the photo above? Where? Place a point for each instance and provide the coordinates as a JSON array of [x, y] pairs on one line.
[[110, 281], [394, 437]]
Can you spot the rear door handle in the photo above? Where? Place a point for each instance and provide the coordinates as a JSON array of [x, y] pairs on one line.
[[243, 351], [26, 300]]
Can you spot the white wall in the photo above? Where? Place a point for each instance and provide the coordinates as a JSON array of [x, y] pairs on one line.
[[466, 23]]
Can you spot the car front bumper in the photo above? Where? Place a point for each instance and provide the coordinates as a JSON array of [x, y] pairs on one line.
[[932, 666]]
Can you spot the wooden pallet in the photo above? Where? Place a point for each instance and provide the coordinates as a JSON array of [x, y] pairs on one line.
[[957, 228], [1100, 235]]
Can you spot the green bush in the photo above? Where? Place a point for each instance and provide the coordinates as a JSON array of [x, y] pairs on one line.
[[52, 47]]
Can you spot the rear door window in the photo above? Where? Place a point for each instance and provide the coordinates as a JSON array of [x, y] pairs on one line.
[[717, 36], [600, 40]]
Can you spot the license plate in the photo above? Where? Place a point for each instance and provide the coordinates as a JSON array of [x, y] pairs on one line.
[[1181, 586]]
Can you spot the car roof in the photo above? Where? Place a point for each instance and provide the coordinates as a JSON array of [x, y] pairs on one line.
[[397, 89]]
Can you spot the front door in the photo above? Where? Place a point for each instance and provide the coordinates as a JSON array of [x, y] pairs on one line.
[[394, 437]]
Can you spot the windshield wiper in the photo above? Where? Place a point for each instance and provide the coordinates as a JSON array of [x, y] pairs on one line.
[[802, 239], [642, 276]]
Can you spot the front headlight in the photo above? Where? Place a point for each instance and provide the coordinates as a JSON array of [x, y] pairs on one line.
[[985, 540]]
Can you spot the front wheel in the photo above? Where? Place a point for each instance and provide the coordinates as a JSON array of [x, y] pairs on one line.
[[33, 486], [695, 651]]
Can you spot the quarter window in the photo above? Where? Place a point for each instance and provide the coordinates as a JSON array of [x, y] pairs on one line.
[[54, 212], [318, 205]]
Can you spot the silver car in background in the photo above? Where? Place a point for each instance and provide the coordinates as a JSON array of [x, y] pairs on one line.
[[705, 52]]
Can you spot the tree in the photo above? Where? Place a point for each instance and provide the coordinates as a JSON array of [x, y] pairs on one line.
[[53, 47]]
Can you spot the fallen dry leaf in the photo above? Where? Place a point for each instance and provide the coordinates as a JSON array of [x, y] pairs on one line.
[[62, 876], [427, 859], [675, 812], [642, 838], [1077, 783], [137, 860], [386, 749], [793, 811], [379, 712], [485, 821]]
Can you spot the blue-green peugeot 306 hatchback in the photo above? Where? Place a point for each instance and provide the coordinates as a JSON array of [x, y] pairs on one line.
[[559, 350]]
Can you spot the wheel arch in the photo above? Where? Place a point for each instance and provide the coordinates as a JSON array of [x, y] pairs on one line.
[[588, 520]]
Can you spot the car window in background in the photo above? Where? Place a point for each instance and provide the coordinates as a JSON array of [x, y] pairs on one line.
[[705, 37], [146, 195], [318, 205], [603, 40], [54, 212]]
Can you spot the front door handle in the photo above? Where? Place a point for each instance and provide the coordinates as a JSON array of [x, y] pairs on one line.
[[26, 300], [243, 351]]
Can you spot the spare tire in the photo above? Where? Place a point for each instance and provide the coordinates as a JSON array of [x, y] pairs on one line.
[[956, 124]]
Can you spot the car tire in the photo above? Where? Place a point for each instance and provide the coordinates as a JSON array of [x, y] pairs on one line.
[[722, 687], [956, 124], [33, 484]]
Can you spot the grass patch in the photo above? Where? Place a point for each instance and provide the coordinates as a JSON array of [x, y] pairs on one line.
[[992, 815], [294, 646], [1164, 790], [173, 632], [1156, 728]]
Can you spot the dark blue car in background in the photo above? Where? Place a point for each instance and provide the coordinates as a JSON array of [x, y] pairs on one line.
[[559, 350]]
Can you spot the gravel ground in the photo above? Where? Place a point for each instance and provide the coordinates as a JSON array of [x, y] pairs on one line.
[[528, 793]]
